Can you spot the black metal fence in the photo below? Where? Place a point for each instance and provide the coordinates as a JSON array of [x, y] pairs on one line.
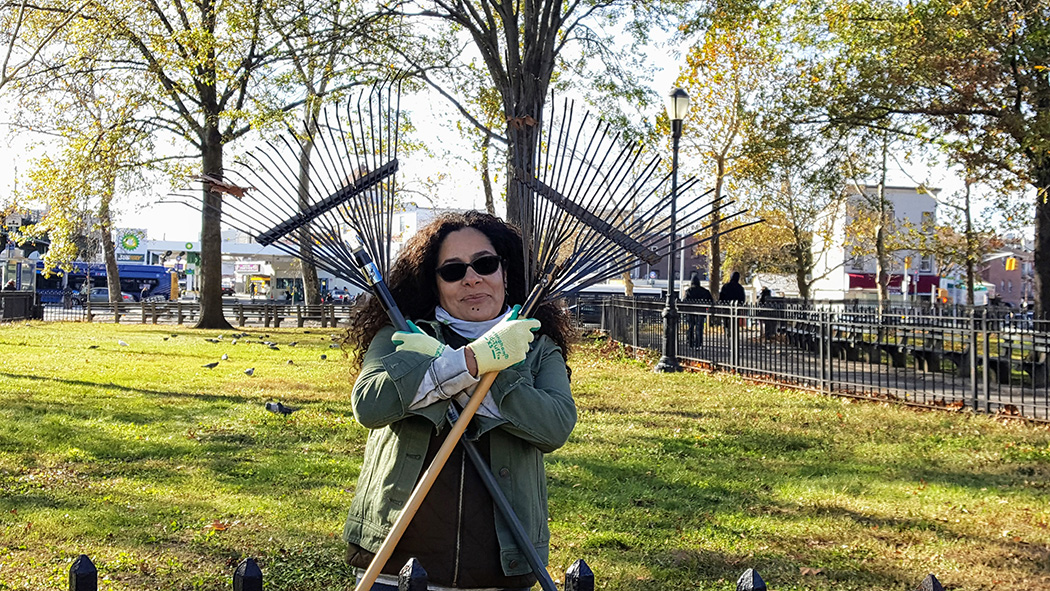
[[83, 576], [262, 313], [991, 361]]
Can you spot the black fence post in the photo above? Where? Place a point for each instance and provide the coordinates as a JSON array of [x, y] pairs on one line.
[[412, 576], [579, 577], [974, 327], [930, 583], [987, 339], [750, 581], [734, 335], [248, 576], [823, 343], [83, 576]]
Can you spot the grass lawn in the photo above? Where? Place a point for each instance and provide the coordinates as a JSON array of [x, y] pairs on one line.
[[167, 473]]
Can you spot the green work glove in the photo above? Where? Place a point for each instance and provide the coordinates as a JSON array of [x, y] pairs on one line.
[[504, 344], [417, 341]]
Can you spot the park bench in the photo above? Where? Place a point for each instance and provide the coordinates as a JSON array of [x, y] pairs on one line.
[[926, 346], [262, 312], [1025, 352], [178, 311], [804, 335], [323, 313], [874, 340], [843, 340]]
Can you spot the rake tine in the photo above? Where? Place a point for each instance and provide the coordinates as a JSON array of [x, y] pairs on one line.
[[656, 240], [589, 219], [339, 176], [235, 205], [271, 171], [571, 286], [370, 206], [329, 203], [348, 273], [619, 209], [254, 209], [261, 192], [598, 253], [570, 202], [584, 182]]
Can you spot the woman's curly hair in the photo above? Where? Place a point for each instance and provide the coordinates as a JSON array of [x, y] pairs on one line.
[[412, 280]]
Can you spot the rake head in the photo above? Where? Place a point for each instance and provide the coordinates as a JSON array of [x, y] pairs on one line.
[[602, 207], [319, 192]]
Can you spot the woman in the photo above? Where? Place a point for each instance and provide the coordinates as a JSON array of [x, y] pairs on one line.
[[460, 278]]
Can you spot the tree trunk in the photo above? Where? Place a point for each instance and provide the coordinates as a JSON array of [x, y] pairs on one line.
[[715, 248], [211, 142], [108, 248], [522, 140], [628, 285], [486, 175], [971, 249], [882, 262], [1041, 265], [803, 267], [311, 285], [210, 288]]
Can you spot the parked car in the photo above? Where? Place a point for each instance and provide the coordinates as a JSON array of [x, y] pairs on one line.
[[227, 291], [100, 295]]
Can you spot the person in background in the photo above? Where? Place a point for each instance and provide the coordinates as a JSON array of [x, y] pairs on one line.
[[10, 286], [732, 292], [769, 324], [461, 279], [696, 320]]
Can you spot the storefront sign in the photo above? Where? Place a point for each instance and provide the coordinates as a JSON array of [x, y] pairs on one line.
[[246, 268]]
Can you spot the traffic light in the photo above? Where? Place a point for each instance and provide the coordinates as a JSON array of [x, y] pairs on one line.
[[1011, 263]]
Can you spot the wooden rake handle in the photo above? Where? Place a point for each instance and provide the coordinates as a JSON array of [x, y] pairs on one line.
[[425, 483]]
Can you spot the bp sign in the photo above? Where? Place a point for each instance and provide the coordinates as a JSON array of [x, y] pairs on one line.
[[129, 242]]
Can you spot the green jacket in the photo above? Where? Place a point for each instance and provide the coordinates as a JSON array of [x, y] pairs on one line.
[[538, 416]]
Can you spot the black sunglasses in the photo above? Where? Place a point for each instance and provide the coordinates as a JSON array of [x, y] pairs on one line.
[[486, 265]]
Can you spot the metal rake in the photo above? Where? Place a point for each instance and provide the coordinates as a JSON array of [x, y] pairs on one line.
[[602, 206]]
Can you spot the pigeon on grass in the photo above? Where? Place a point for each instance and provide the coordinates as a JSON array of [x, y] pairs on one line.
[[278, 408]]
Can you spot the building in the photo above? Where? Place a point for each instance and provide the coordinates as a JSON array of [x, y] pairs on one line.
[[687, 261], [840, 274], [1011, 274]]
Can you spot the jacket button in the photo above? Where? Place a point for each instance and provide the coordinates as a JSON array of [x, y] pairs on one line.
[[504, 473], [514, 564]]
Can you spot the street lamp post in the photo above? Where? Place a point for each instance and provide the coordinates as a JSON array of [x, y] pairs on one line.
[[677, 107]]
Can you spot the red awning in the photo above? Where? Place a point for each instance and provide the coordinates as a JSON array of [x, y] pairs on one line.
[[920, 284]]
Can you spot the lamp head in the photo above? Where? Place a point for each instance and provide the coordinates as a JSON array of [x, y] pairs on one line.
[[677, 104]]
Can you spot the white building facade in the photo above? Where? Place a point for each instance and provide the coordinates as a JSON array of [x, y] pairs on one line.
[[842, 274]]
